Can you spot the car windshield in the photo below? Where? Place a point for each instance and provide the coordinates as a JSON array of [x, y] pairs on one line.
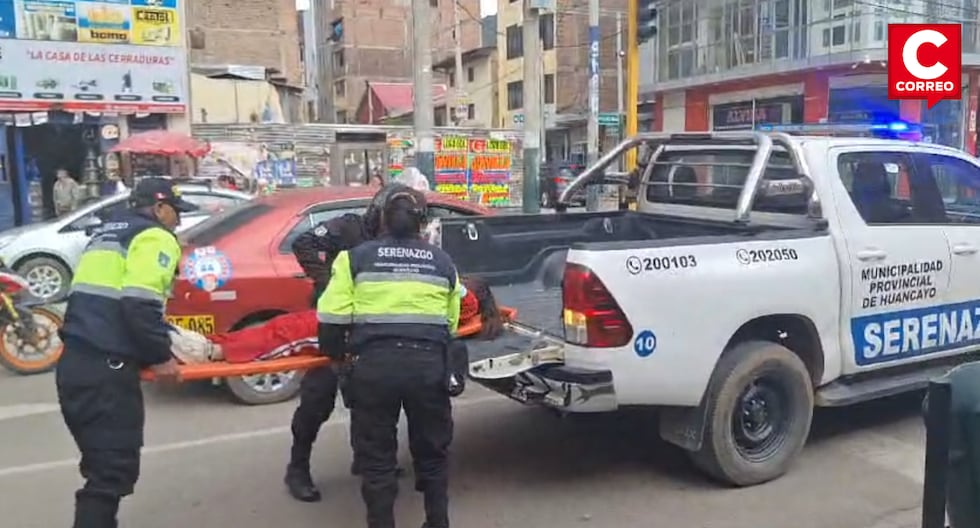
[[215, 227]]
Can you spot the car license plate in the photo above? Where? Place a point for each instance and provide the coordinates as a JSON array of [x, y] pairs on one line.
[[202, 324]]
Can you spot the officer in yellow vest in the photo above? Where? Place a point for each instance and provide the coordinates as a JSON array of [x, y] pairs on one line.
[[394, 303], [114, 326]]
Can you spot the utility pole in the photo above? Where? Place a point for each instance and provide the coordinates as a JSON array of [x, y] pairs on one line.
[[423, 118], [592, 196], [633, 73], [461, 95], [533, 103], [619, 80]]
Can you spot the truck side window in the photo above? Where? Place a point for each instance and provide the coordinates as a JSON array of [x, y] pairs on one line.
[[958, 185], [885, 188]]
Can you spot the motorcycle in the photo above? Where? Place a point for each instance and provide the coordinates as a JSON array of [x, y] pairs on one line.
[[29, 341]]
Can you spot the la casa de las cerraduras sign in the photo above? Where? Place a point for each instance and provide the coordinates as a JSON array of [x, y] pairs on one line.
[[119, 56]]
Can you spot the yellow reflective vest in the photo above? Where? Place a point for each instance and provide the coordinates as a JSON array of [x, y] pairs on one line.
[[393, 289], [119, 291]]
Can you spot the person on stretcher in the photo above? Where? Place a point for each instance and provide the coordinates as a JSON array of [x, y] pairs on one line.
[[296, 333]]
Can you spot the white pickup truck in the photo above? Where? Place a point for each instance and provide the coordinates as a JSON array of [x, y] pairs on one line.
[[760, 276]]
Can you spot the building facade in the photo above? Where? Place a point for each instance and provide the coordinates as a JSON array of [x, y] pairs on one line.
[[371, 40], [247, 32], [478, 90], [733, 64], [78, 77], [565, 44]]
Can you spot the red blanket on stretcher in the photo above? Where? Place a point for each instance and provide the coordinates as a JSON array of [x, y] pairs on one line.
[[249, 344]]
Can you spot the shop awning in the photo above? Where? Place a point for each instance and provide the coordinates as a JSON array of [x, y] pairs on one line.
[[164, 143]]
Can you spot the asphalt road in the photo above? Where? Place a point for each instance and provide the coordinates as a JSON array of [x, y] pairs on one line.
[[210, 462]]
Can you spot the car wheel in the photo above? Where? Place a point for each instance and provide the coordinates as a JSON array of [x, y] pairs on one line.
[[759, 409], [263, 389], [49, 279]]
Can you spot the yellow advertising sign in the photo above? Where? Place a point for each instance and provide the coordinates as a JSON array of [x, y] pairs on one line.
[[155, 27], [103, 22]]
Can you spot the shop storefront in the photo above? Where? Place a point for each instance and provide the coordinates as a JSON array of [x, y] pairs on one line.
[[66, 96], [746, 115]]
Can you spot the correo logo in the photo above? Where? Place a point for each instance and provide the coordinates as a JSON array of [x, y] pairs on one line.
[[925, 62]]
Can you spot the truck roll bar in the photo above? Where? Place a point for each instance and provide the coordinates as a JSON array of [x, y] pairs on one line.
[[763, 142]]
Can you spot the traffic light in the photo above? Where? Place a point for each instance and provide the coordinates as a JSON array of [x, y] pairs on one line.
[[646, 24]]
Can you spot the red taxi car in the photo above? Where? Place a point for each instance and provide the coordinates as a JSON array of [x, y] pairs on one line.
[[250, 274]]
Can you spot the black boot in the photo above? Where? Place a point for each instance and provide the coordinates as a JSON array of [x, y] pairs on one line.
[[95, 512], [300, 484]]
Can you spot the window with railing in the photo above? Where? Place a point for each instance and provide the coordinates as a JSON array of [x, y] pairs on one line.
[[699, 37]]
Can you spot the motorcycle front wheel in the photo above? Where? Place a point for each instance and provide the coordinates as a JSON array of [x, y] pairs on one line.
[[35, 354]]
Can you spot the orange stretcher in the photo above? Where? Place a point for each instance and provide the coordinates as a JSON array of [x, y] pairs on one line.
[[221, 369]]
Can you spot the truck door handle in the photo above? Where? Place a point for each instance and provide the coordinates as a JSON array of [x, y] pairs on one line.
[[871, 254], [964, 249], [299, 275]]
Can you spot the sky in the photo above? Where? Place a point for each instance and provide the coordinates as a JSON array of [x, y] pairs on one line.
[[487, 7]]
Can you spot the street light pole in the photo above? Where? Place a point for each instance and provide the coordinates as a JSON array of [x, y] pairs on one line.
[[423, 119]]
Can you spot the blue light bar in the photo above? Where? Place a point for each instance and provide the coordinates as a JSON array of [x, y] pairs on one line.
[[897, 127]]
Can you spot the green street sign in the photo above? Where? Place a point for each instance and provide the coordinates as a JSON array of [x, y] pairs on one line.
[[609, 119]]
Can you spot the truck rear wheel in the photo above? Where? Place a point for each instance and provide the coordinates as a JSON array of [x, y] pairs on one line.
[[759, 409]]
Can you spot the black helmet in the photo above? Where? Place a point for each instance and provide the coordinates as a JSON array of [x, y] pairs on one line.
[[372, 217]]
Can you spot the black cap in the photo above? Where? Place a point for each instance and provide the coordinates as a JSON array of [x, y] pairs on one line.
[[151, 191]]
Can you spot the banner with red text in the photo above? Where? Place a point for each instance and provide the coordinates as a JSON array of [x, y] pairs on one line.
[[475, 168], [46, 75]]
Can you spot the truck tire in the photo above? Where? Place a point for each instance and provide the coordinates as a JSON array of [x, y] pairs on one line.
[[759, 406]]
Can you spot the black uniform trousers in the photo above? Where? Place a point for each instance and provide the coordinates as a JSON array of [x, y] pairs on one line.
[[317, 399], [102, 405], [388, 376]]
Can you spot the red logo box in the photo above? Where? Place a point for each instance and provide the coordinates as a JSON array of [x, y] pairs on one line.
[[925, 61]]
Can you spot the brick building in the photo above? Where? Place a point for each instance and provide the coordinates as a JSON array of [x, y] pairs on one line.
[[565, 41], [733, 64], [372, 41], [247, 32]]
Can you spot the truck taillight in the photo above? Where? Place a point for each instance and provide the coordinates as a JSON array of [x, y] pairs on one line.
[[591, 316]]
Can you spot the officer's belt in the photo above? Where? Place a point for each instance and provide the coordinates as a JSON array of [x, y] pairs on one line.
[[383, 343], [91, 351]]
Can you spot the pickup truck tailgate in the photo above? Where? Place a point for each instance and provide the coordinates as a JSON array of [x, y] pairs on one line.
[[537, 306]]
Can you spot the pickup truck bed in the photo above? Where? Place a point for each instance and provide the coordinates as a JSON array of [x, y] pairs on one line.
[[523, 256]]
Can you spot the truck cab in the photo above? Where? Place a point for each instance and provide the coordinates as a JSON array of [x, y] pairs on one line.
[[761, 275]]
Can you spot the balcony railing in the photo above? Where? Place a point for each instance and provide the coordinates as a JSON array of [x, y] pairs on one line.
[[712, 38]]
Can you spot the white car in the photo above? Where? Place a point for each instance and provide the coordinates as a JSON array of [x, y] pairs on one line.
[[46, 253], [760, 276]]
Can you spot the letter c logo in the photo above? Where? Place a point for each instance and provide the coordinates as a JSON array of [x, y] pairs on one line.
[[911, 59]]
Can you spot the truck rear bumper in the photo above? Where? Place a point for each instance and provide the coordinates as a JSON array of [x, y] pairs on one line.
[[540, 377]]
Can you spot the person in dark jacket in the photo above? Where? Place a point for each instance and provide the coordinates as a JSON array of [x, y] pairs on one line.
[[394, 304], [113, 328], [318, 389]]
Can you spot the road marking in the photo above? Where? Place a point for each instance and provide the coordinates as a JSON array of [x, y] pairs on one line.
[[212, 440], [9, 412]]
